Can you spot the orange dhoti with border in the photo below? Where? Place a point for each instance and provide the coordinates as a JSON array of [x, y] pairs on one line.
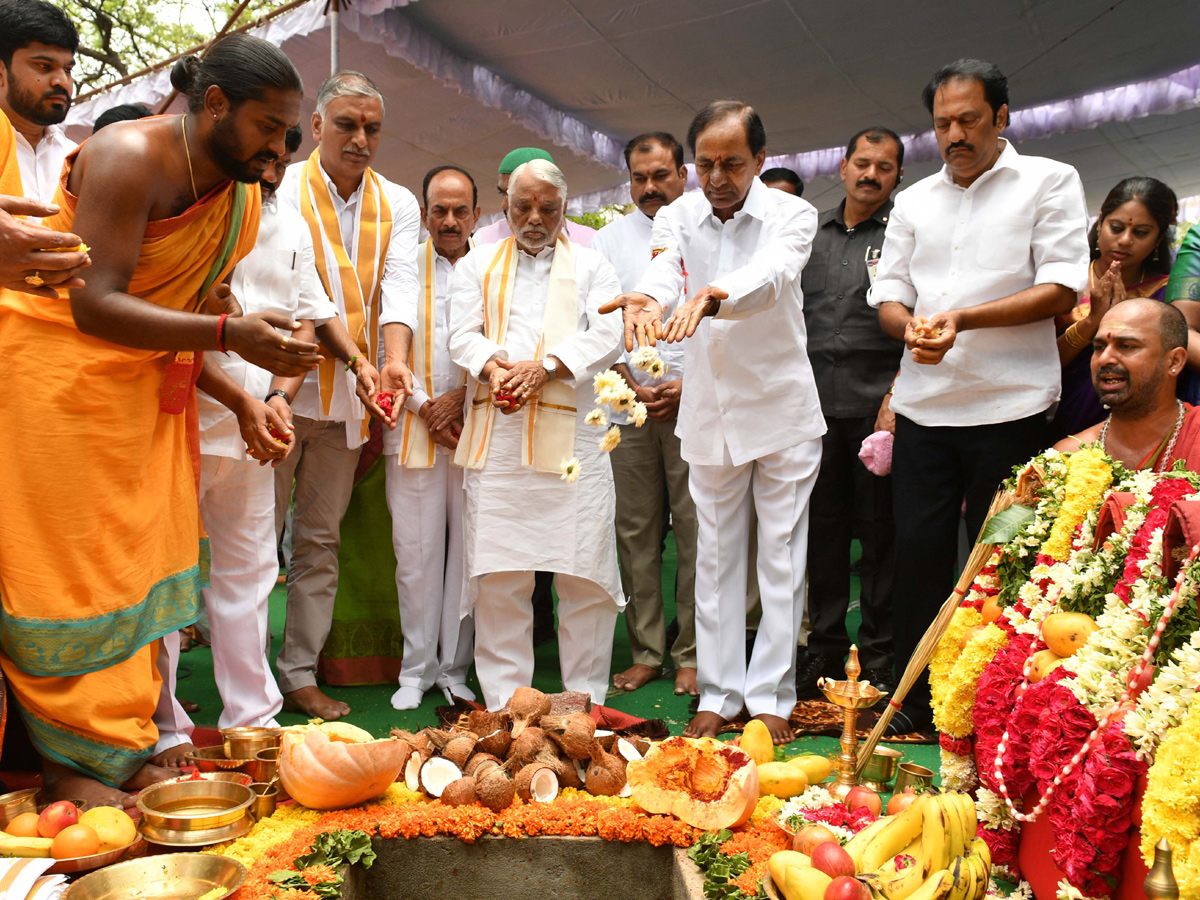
[[101, 548]]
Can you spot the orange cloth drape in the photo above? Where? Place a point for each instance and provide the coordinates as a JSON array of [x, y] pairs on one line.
[[100, 540]]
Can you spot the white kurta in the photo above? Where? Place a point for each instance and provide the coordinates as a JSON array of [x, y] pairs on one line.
[[516, 518], [41, 166]]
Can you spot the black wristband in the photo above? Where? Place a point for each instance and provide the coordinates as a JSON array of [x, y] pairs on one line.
[[278, 393]]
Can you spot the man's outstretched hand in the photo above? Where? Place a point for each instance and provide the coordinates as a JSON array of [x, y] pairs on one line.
[[686, 319], [28, 250], [643, 318]]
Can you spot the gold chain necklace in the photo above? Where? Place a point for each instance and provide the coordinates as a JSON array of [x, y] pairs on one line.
[[188, 151]]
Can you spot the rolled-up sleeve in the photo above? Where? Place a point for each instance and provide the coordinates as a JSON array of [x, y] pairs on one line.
[[754, 287], [893, 280], [469, 349], [598, 345], [399, 291], [663, 279], [1059, 242]]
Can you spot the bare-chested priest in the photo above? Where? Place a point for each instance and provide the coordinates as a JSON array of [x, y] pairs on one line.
[[1138, 353], [101, 549]]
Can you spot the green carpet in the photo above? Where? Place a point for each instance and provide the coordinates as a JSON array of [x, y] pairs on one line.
[[372, 708]]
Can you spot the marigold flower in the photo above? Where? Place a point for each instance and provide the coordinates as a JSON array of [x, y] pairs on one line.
[[570, 470], [319, 874], [611, 438]]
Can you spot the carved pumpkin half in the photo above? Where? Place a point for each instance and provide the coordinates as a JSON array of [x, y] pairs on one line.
[[706, 783], [324, 774]]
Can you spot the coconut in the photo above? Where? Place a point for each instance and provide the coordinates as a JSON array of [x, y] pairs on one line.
[[437, 738], [564, 769], [412, 772], [527, 746], [573, 733], [536, 783], [459, 749], [481, 722], [460, 792], [436, 773], [527, 707], [477, 760], [626, 752], [496, 790], [606, 774], [605, 737], [496, 742]]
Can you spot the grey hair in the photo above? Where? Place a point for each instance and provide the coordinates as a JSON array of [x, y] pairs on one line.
[[543, 170], [346, 83]]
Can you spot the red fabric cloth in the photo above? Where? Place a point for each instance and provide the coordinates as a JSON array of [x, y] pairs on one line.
[[1180, 535], [1187, 445], [1112, 516]]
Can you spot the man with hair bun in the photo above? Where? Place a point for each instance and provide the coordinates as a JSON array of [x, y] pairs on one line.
[[101, 549], [364, 233], [524, 324]]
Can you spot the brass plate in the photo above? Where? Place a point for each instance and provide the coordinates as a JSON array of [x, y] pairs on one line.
[[194, 805], [87, 863], [166, 837], [174, 876], [213, 759]]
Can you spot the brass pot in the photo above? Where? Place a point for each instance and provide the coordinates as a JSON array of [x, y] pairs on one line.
[[173, 876], [881, 769], [15, 803], [266, 765], [265, 798], [913, 776], [244, 742], [194, 805]]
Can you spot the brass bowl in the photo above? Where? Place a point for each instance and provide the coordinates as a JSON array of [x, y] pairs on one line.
[[881, 769], [95, 861], [213, 759], [243, 743], [233, 777], [173, 876], [194, 805], [266, 765], [168, 837], [16, 803], [913, 776], [265, 798]]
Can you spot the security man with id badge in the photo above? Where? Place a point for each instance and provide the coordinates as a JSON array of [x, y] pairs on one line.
[[854, 363]]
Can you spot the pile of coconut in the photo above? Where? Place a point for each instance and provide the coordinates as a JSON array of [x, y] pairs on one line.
[[527, 752]]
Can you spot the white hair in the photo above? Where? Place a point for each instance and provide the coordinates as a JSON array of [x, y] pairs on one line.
[[543, 170], [346, 83]]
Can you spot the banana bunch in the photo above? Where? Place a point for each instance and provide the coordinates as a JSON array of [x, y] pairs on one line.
[[25, 847], [929, 851]]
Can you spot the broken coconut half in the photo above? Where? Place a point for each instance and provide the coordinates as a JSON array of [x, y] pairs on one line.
[[436, 773], [537, 783]]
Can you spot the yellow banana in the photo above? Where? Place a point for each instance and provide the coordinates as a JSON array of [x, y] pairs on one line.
[[899, 833], [28, 847], [900, 885], [858, 843], [970, 816], [805, 883], [964, 879], [779, 862], [935, 841], [955, 828], [936, 887], [979, 847], [982, 877]]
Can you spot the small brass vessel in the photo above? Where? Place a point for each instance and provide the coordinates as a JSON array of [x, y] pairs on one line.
[[213, 759], [244, 742], [1160, 884], [881, 769], [851, 695]]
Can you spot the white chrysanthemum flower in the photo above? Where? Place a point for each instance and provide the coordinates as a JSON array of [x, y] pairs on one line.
[[658, 368], [606, 381], [611, 438], [570, 470], [638, 414], [958, 772], [623, 400], [596, 417], [644, 358]]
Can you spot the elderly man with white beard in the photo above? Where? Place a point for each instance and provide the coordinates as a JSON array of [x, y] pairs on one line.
[[524, 324]]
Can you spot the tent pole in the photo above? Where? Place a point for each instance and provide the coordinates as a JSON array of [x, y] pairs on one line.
[[334, 54]]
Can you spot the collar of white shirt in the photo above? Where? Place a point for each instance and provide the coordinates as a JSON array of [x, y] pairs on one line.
[[333, 190], [755, 205], [1006, 160], [55, 134]]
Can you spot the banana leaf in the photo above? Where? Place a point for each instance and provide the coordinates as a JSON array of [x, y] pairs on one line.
[[1006, 524]]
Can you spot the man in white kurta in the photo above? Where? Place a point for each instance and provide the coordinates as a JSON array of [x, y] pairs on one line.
[[581, 235], [424, 485], [749, 422], [539, 491]]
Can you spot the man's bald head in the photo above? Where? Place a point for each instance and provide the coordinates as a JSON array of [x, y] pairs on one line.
[[1142, 314], [1138, 352]]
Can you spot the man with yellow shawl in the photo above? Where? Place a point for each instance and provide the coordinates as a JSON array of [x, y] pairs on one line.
[[100, 542]]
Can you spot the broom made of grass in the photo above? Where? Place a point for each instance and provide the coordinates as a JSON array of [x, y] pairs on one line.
[[980, 554]]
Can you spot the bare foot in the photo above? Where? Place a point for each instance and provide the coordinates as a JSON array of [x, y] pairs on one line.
[[173, 757], [781, 731], [61, 783], [705, 724], [189, 707], [313, 702], [148, 775], [635, 676], [685, 681]]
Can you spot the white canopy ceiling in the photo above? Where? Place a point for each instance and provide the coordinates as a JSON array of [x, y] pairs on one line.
[[467, 80]]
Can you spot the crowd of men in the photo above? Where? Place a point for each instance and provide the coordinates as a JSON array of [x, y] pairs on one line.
[[203, 326]]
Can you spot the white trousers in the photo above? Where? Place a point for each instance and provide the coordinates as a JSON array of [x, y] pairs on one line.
[[237, 506], [504, 635], [777, 487], [427, 536]]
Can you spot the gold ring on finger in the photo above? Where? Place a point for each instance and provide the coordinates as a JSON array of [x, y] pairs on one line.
[[283, 346], [35, 280]]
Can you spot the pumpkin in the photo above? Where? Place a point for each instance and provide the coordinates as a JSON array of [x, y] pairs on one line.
[[706, 783], [323, 774]]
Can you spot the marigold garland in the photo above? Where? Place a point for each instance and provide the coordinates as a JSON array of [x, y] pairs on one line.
[[1171, 804], [945, 655], [954, 714], [1089, 476]]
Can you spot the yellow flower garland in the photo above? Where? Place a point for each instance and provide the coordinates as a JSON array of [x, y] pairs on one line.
[[945, 655], [1089, 476], [1171, 805], [953, 715]]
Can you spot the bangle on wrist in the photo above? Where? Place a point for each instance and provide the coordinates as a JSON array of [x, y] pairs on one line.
[[1074, 338], [278, 393], [221, 332], [350, 364]]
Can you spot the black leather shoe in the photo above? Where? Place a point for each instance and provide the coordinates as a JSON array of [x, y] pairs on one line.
[[881, 679], [909, 721], [814, 666]]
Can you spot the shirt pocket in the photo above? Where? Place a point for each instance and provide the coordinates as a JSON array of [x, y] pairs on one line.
[[814, 276], [1004, 245]]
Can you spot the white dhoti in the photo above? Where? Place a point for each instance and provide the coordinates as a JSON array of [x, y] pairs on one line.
[[778, 487], [519, 521], [427, 534]]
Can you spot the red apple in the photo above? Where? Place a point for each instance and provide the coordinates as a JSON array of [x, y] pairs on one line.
[[899, 802], [846, 888], [56, 817], [830, 858], [861, 797], [808, 837]]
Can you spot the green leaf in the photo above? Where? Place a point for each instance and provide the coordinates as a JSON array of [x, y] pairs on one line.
[[1006, 524]]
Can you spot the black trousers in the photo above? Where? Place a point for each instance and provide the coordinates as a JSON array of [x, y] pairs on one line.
[[849, 501], [933, 469]]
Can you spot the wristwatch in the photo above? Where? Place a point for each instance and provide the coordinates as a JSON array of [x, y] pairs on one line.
[[550, 364], [278, 393]]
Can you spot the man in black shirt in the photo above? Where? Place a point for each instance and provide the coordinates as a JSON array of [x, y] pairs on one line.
[[854, 363]]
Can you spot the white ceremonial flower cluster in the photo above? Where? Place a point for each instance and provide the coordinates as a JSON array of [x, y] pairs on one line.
[[648, 360], [611, 438], [597, 418], [994, 813], [611, 388], [613, 391], [1023, 890], [570, 470], [814, 797], [958, 772], [1103, 663], [1067, 891], [1166, 702]]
